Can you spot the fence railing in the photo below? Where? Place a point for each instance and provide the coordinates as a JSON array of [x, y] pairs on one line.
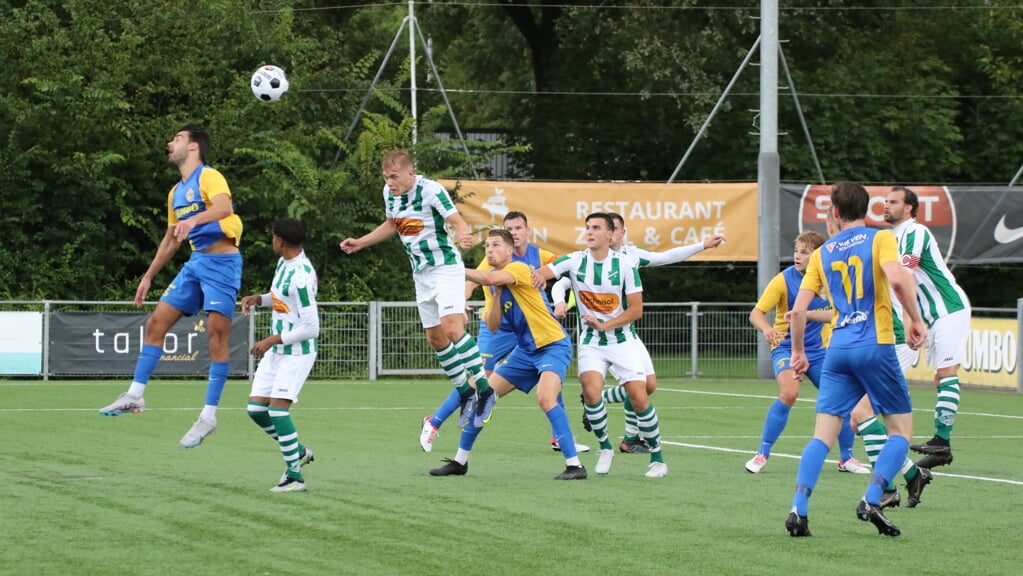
[[367, 340]]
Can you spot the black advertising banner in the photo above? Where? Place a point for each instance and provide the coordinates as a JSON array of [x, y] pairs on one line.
[[108, 343], [991, 224], [972, 225]]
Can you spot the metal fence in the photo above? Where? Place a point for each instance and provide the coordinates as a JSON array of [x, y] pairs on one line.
[[367, 340]]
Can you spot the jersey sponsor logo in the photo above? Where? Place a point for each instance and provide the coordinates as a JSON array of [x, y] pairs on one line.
[[409, 226], [602, 303], [1006, 235], [857, 317], [279, 305], [185, 210]]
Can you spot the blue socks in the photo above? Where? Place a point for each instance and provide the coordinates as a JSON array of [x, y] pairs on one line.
[[774, 424], [148, 359], [888, 464], [809, 471], [446, 408], [218, 377], [561, 431]]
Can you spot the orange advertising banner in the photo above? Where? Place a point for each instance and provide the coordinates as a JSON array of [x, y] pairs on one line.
[[657, 216]]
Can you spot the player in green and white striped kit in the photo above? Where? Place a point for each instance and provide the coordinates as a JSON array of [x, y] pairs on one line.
[[641, 257], [944, 308], [609, 294], [288, 354], [417, 209]]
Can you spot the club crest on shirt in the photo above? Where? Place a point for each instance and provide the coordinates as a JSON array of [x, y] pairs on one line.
[[190, 195]]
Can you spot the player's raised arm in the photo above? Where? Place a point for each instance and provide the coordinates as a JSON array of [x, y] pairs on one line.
[[461, 228], [385, 230]]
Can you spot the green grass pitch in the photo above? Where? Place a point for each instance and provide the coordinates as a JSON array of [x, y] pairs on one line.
[[86, 494]]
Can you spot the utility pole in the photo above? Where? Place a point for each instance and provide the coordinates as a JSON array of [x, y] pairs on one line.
[[768, 171]]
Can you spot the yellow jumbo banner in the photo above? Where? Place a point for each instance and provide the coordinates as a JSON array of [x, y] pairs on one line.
[[657, 216], [990, 356]]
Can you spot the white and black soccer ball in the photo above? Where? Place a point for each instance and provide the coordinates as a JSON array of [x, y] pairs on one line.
[[269, 83]]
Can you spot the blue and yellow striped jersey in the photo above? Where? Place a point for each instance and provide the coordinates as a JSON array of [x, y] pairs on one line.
[[848, 267], [194, 195], [527, 311], [779, 296]]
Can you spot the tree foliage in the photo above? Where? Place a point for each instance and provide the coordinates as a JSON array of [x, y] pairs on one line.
[[93, 90]]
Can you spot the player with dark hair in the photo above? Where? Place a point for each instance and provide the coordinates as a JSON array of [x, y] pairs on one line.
[[946, 310], [855, 269], [199, 209], [609, 294], [779, 295], [288, 354], [641, 257], [541, 356], [493, 346]]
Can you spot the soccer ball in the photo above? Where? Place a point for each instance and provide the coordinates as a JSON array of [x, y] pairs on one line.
[[269, 83]]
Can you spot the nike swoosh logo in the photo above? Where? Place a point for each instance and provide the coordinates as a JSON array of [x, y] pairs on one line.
[[1006, 235]]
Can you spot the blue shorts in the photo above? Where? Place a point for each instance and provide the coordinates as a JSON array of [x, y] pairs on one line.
[[523, 368], [849, 373], [494, 346], [209, 282], [781, 359]]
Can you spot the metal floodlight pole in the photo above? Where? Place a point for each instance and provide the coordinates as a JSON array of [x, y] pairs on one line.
[[799, 111], [413, 29], [768, 167], [365, 99], [444, 94], [714, 111], [412, 68]]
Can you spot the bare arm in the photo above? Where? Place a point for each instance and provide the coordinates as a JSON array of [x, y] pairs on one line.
[[631, 314], [492, 315], [797, 319], [382, 232], [164, 252], [541, 275], [759, 321], [461, 229]]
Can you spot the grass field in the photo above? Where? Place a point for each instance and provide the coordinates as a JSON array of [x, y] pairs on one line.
[[85, 494]]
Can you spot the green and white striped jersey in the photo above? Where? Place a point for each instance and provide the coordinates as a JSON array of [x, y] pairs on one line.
[[293, 299], [601, 289], [937, 291], [419, 216]]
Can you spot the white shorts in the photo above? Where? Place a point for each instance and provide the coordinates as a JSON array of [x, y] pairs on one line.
[[282, 376], [947, 339], [648, 366], [907, 356], [440, 291], [624, 360]]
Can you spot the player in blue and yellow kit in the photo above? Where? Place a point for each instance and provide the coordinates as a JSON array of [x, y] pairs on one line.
[[855, 268], [493, 345], [540, 358], [199, 209], [778, 296]]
